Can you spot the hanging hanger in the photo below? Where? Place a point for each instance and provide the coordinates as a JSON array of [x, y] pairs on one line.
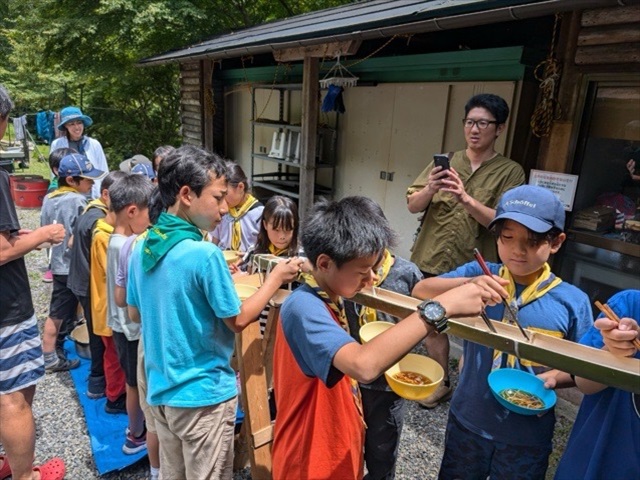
[[339, 75]]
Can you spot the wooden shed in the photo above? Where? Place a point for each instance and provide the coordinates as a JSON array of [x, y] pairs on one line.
[[417, 63]]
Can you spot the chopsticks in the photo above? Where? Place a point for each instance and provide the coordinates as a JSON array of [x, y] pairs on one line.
[[486, 271], [611, 315]]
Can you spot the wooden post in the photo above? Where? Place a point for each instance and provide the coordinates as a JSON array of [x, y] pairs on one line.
[[254, 399], [310, 90]]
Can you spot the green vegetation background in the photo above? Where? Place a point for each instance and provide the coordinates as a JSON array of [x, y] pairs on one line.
[[55, 53]]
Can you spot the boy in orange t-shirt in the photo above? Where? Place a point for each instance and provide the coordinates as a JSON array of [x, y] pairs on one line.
[[319, 429]]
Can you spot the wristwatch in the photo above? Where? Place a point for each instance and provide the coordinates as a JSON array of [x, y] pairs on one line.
[[434, 314]]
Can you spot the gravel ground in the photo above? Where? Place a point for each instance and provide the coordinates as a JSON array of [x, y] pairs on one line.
[[62, 431]]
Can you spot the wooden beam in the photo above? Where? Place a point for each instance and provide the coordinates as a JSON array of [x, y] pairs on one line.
[[612, 35], [330, 50], [608, 54], [611, 16], [308, 134]]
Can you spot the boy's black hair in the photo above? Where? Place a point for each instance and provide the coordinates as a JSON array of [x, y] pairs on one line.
[[534, 237], [493, 103], [62, 181], [110, 179], [346, 230], [130, 190], [236, 175], [187, 165], [155, 205], [282, 212], [161, 152], [55, 156]]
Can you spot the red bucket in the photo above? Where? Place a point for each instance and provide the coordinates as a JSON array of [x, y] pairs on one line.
[[16, 178], [30, 193]]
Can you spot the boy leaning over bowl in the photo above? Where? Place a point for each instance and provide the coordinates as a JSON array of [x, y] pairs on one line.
[[319, 429], [483, 438]]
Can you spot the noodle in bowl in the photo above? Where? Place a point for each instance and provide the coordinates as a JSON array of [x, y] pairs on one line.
[[520, 391]]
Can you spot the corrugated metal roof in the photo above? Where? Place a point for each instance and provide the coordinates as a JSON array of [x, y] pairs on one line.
[[366, 20]]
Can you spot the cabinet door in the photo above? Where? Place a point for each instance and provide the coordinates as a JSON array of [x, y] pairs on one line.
[[364, 141], [417, 132]]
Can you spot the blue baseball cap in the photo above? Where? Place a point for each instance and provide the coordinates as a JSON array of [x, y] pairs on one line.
[[537, 208], [77, 165], [144, 169]]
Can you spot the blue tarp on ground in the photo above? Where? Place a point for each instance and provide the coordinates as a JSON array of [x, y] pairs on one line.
[[106, 431]]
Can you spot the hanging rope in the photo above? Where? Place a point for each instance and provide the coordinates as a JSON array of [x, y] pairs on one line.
[[547, 73]]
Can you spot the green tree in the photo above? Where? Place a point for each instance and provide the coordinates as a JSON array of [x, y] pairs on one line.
[[73, 52]]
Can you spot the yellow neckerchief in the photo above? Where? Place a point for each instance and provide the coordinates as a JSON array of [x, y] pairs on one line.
[[545, 282], [62, 191], [338, 312], [273, 250], [369, 314], [237, 213], [97, 203]]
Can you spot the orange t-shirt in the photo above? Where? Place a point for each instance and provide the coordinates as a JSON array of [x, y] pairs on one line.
[[319, 433]]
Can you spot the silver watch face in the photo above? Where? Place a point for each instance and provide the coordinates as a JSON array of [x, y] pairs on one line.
[[434, 311]]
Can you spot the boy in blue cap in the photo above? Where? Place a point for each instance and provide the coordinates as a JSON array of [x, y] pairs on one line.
[[483, 438], [76, 175]]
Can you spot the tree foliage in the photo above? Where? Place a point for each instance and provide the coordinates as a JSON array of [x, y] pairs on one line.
[[84, 52]]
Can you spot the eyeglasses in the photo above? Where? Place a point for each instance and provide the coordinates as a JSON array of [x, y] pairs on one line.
[[482, 124]]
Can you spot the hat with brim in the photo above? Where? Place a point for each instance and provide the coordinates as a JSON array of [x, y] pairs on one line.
[[68, 114], [537, 208], [77, 165], [128, 164], [144, 169]]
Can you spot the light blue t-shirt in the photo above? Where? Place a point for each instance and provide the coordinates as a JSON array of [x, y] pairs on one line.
[[605, 440], [187, 345], [565, 309]]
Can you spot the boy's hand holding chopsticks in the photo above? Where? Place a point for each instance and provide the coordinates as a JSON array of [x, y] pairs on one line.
[[620, 335]]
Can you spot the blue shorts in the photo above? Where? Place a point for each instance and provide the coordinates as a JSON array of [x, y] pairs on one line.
[[472, 457], [21, 360]]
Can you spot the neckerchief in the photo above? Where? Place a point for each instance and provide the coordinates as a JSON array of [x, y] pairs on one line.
[[339, 314], [273, 250], [368, 314], [545, 282], [168, 231], [237, 213], [62, 191], [97, 203]]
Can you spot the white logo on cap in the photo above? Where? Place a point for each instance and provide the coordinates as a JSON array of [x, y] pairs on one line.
[[524, 203]]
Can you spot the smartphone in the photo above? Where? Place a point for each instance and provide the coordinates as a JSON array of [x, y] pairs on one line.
[[441, 160]]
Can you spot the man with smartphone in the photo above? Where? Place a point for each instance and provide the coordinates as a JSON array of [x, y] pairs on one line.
[[457, 195]]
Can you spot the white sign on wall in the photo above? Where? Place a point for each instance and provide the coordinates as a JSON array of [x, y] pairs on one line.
[[562, 184]]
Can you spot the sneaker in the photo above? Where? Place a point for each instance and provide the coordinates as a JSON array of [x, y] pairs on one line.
[[119, 405], [62, 365], [441, 395], [95, 388], [47, 277], [135, 444]]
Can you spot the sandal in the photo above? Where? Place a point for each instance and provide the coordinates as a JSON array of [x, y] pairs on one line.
[[5, 470], [52, 470]]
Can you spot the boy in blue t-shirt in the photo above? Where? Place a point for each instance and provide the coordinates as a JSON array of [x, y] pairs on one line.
[[608, 422], [483, 438], [181, 291]]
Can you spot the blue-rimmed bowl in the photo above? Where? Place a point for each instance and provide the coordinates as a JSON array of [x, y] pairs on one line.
[[511, 378]]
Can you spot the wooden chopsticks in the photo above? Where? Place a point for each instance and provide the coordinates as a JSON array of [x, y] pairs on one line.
[[611, 315]]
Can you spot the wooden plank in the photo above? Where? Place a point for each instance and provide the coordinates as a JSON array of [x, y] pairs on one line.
[[308, 135], [195, 122], [191, 74], [190, 108], [606, 36], [190, 88], [190, 95], [327, 50], [254, 397], [608, 54], [185, 66], [610, 16], [191, 114], [262, 437], [191, 141], [189, 101], [196, 136], [190, 80]]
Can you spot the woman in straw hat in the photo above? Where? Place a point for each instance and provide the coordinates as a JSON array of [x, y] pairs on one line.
[[73, 122]]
